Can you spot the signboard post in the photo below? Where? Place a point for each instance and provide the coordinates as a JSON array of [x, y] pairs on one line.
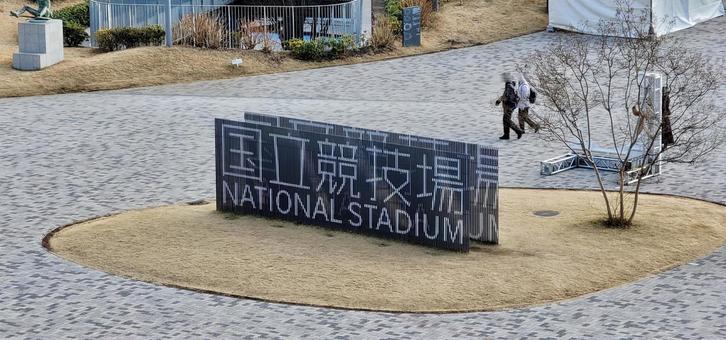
[[412, 26]]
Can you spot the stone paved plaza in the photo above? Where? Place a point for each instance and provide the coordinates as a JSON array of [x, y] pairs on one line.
[[70, 157]]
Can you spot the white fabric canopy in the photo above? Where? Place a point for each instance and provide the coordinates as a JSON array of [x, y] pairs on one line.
[[665, 16]]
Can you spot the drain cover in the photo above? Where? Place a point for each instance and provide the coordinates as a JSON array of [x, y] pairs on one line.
[[546, 213]]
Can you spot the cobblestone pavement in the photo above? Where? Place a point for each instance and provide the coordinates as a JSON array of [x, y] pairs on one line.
[[69, 157]]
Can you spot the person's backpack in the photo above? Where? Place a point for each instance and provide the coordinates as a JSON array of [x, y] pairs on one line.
[[532, 95]]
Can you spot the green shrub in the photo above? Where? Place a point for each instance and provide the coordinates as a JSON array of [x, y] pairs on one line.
[[291, 44], [394, 13], [73, 34], [307, 50], [339, 47], [115, 39], [129, 37], [105, 40], [154, 35], [321, 48], [77, 14], [394, 10], [396, 25]]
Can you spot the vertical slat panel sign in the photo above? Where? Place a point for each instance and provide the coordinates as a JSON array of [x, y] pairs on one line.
[[407, 193], [412, 26], [484, 217]]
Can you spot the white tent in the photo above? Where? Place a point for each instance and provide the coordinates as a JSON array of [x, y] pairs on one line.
[[664, 16]]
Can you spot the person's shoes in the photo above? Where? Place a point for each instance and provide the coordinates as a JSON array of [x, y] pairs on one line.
[[14, 13], [504, 137], [519, 134], [536, 129]]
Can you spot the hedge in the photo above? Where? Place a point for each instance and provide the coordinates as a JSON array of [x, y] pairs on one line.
[[77, 14], [394, 11], [75, 20], [321, 48], [74, 34], [114, 39]]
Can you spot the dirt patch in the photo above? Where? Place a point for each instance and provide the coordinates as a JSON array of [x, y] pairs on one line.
[[84, 69], [540, 259]]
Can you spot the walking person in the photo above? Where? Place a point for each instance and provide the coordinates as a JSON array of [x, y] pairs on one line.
[[527, 97], [509, 101], [667, 131]]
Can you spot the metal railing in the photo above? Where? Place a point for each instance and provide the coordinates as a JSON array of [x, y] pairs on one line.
[[217, 24]]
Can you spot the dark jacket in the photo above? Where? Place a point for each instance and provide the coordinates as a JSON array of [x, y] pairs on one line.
[[509, 97]]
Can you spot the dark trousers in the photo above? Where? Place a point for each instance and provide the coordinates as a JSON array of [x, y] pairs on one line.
[[523, 117], [667, 130], [507, 120]]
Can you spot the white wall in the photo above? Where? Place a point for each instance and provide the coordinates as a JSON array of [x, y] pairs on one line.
[[366, 20], [671, 16], [668, 15]]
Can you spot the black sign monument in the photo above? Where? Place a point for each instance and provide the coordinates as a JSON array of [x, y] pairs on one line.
[[402, 192], [412, 26]]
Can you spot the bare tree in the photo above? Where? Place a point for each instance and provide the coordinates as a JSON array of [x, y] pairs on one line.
[[596, 80]]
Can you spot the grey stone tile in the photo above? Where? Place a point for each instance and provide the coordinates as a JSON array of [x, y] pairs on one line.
[[69, 157]]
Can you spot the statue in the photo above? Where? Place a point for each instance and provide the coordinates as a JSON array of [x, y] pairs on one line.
[[43, 11]]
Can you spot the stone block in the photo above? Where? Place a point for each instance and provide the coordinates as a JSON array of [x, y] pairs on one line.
[[40, 44]]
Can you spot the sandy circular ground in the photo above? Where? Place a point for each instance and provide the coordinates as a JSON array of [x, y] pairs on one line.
[[540, 259]]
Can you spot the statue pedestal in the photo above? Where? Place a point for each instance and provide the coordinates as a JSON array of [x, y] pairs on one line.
[[41, 44]]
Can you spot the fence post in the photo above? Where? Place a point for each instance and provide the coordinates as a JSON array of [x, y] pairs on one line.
[[365, 25], [108, 12], [167, 25]]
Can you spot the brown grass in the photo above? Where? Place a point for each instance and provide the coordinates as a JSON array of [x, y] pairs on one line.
[[200, 30], [383, 38], [483, 21], [540, 259], [474, 22], [250, 35]]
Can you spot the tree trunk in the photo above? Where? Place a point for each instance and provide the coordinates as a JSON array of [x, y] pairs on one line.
[[622, 193], [637, 194], [602, 187]]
